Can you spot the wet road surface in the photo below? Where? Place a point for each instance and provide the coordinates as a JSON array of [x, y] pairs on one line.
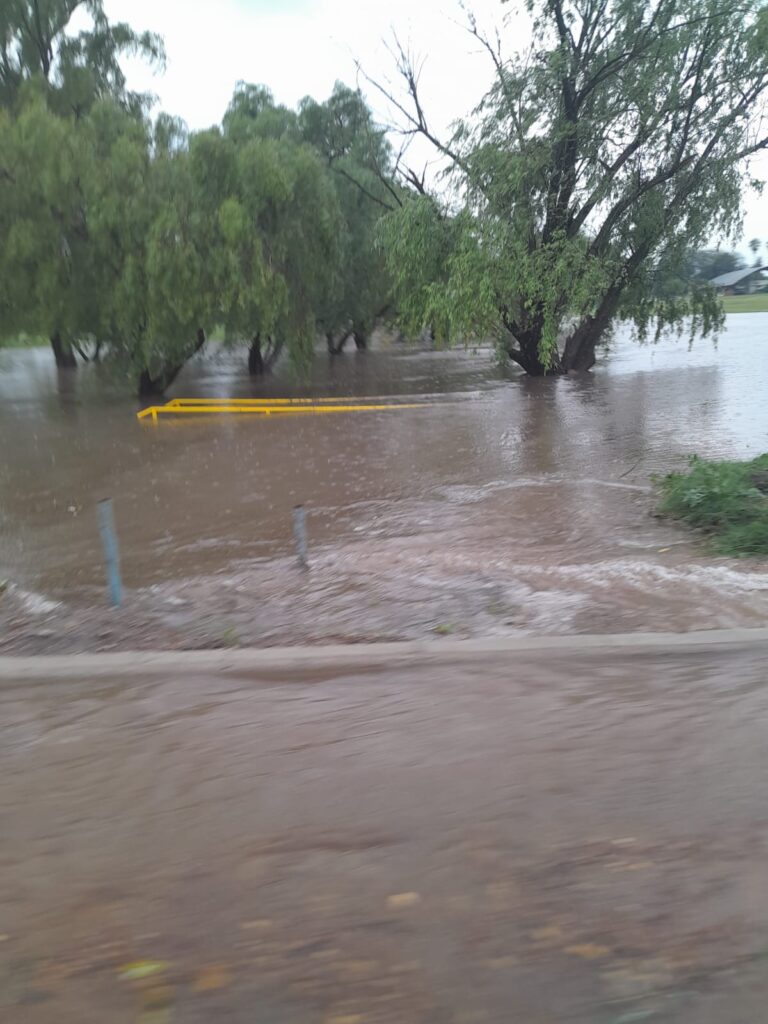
[[532, 838], [508, 506]]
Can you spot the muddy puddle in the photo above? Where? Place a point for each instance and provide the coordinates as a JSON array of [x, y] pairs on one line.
[[507, 505]]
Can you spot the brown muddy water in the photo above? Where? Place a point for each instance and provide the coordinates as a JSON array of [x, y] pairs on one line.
[[507, 505], [547, 839]]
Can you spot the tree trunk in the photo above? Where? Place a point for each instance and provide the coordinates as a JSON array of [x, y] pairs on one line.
[[527, 354], [156, 386], [579, 352], [256, 367], [273, 353], [260, 362], [62, 353], [578, 355], [360, 338], [149, 386], [336, 348]]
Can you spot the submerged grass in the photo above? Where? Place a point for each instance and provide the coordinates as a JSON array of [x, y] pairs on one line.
[[728, 500]]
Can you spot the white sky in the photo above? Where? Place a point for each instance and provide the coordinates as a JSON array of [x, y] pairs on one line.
[[301, 47]]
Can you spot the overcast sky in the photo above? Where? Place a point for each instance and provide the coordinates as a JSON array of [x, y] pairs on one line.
[[301, 47]]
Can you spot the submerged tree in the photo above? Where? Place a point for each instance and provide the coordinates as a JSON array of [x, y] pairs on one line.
[[98, 246], [201, 231], [45, 251], [615, 144], [69, 71], [356, 151], [282, 226], [136, 241], [318, 181], [355, 160]]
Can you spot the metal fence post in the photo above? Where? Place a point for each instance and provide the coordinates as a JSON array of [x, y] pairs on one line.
[[111, 554], [300, 535]]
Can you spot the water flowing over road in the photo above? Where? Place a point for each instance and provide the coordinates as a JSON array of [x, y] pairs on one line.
[[539, 837]]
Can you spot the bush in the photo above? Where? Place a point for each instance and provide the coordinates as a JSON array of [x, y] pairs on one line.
[[726, 499]]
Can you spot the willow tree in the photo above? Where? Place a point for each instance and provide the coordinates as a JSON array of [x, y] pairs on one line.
[[79, 66], [272, 237], [73, 69], [358, 159], [102, 244], [355, 149], [154, 238], [134, 240], [45, 256], [308, 235], [617, 142]]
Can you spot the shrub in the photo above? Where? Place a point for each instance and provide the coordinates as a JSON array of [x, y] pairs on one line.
[[726, 499]]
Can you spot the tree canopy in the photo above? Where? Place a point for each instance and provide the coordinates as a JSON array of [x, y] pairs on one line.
[[586, 186], [357, 156], [613, 145], [137, 240], [356, 151], [52, 77], [145, 240], [78, 67]]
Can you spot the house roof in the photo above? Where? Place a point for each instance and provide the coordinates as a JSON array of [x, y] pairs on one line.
[[735, 276]]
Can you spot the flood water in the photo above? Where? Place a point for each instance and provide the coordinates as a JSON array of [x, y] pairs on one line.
[[563, 838], [505, 505]]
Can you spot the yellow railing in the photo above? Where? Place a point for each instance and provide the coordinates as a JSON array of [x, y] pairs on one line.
[[271, 406]]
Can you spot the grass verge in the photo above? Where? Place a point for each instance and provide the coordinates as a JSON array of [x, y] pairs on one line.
[[25, 341], [746, 303], [728, 500]]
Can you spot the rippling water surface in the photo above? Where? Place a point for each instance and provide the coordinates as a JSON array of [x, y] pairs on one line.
[[507, 504]]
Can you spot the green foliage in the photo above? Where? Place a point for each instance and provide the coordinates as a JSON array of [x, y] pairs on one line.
[[141, 240], [135, 240], [420, 241], [59, 91], [280, 225], [598, 160], [343, 279], [76, 68], [40, 221], [253, 113], [356, 152], [727, 499]]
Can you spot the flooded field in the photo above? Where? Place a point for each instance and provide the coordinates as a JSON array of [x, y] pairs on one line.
[[507, 505]]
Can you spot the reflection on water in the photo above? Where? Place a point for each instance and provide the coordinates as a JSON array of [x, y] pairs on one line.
[[509, 504]]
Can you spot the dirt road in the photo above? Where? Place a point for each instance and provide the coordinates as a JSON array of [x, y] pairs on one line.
[[530, 838]]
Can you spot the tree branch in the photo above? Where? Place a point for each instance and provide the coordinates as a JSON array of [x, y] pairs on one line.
[[415, 119], [360, 186]]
